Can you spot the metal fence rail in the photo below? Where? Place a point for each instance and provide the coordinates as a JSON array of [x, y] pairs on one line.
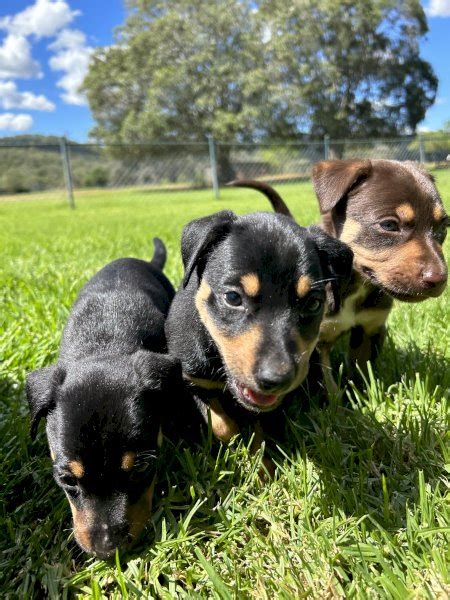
[[186, 165]]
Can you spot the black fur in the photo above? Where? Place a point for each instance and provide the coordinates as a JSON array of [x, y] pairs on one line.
[[219, 250], [107, 395]]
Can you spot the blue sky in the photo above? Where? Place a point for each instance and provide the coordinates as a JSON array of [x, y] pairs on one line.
[[45, 47]]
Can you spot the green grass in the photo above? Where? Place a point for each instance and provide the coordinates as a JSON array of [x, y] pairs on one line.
[[359, 506]]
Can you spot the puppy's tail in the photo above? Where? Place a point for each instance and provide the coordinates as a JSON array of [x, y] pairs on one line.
[[159, 254], [277, 202]]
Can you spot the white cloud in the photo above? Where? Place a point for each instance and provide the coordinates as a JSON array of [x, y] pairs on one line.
[[438, 8], [11, 122], [16, 60], [72, 56], [441, 100], [10, 97], [44, 18]]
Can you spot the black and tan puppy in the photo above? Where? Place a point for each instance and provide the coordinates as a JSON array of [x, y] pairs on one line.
[[392, 217], [105, 400], [247, 315]]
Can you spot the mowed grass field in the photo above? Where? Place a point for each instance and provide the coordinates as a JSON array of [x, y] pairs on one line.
[[359, 507]]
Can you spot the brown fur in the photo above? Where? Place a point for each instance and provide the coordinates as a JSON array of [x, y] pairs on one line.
[[406, 212], [206, 384], [82, 522], [438, 212], [223, 426], [351, 231]]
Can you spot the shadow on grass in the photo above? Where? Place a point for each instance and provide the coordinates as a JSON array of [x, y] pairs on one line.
[[367, 454]]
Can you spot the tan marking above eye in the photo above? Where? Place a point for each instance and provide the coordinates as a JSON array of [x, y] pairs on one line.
[[438, 212], [406, 212], [251, 284], [303, 286], [128, 460], [77, 469]]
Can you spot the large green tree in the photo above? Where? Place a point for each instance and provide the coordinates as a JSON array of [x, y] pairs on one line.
[[243, 70], [356, 63]]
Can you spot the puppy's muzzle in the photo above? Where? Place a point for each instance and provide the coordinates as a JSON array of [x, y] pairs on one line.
[[271, 379], [105, 538]]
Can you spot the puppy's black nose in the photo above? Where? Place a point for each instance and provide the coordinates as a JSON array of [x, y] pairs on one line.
[[271, 380], [106, 538], [434, 277]]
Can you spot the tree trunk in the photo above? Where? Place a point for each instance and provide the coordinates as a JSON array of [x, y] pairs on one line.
[[225, 169]]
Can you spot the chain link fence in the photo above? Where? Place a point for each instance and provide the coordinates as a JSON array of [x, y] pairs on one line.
[[174, 166]]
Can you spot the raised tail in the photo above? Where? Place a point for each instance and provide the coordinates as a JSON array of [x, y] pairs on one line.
[[159, 254], [277, 202]]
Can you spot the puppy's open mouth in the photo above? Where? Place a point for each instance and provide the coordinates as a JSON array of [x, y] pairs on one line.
[[254, 400]]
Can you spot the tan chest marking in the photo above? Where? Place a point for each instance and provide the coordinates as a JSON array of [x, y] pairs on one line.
[[349, 316]]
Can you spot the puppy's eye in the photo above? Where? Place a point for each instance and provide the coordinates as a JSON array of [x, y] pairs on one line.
[[233, 299], [389, 225], [141, 470], [440, 235], [313, 306], [68, 481]]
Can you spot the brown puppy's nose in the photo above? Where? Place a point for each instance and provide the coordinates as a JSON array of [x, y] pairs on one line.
[[434, 277]]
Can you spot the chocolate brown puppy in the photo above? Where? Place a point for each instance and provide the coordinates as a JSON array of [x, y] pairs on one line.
[[392, 217], [247, 316]]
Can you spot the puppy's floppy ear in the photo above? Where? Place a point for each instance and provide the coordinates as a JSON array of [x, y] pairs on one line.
[[157, 371], [336, 260], [199, 237], [333, 179], [40, 390]]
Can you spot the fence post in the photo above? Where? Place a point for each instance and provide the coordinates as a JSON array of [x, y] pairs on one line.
[[213, 163], [67, 171], [326, 146], [422, 156]]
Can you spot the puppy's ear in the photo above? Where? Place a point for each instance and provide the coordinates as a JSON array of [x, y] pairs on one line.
[[157, 371], [40, 390], [333, 180], [200, 236], [336, 260]]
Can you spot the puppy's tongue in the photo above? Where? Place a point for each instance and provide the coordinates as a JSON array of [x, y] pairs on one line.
[[258, 399]]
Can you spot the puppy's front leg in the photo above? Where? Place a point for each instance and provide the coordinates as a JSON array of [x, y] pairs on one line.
[[327, 371], [364, 347], [223, 426], [258, 439]]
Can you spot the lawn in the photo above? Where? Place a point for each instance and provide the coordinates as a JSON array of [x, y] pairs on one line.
[[359, 506]]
